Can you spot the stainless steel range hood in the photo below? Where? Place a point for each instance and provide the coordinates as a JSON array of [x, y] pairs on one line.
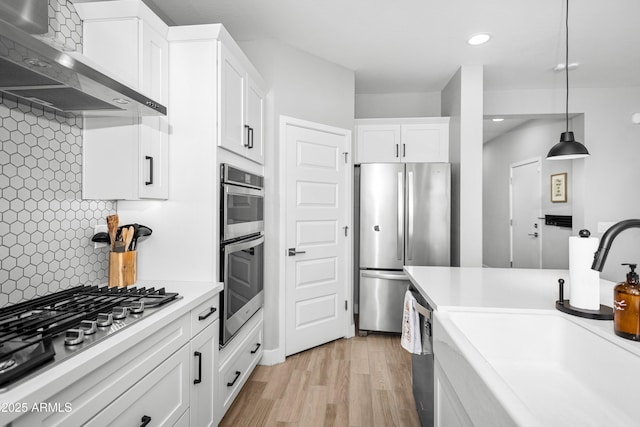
[[39, 72]]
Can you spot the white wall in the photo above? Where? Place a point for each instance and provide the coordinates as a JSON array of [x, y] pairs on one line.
[[462, 101], [531, 140], [305, 87], [605, 183], [393, 105]]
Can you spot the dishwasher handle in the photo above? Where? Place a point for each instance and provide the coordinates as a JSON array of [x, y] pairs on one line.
[[425, 321]]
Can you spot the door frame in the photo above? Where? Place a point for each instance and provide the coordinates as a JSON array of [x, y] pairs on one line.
[[349, 326], [537, 160]]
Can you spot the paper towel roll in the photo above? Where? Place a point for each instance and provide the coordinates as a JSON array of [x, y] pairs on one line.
[[585, 282]]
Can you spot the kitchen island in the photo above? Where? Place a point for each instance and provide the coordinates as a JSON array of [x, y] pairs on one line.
[[143, 370], [505, 356]]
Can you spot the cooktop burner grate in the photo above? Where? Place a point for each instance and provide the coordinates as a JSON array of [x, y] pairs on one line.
[[31, 331]]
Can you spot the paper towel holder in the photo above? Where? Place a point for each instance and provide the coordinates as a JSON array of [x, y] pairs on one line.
[[605, 312]]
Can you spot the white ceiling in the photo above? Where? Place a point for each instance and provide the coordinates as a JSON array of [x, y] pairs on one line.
[[397, 46]]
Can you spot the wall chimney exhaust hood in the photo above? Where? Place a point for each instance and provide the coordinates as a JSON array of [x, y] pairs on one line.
[[39, 72]]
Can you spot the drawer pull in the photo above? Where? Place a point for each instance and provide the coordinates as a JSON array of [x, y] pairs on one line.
[[234, 380], [146, 419], [255, 350], [204, 316], [199, 356]]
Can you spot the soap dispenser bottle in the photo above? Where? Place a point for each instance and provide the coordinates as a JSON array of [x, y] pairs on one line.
[[626, 304]]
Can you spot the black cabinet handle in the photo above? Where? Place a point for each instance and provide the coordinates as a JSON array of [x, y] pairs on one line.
[[146, 419], [199, 356], [397, 152], [250, 137], [234, 380], [246, 141], [255, 350], [204, 316], [404, 150], [150, 170]]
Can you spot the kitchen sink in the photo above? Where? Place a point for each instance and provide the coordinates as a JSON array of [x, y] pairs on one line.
[[543, 368]]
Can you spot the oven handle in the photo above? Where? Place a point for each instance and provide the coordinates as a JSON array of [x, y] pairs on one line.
[[242, 191], [243, 245]]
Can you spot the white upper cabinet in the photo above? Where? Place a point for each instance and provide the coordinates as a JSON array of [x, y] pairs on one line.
[[419, 140], [378, 143], [241, 106], [126, 158]]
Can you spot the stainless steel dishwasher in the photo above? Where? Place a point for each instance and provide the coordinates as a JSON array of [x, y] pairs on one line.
[[422, 365]]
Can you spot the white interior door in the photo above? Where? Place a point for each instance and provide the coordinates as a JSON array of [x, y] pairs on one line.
[[317, 209], [526, 241]]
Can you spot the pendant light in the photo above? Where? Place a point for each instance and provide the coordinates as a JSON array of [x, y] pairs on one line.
[[568, 148]]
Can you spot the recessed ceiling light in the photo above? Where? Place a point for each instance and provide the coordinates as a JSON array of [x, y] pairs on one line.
[[572, 66], [479, 38], [498, 119], [121, 101]]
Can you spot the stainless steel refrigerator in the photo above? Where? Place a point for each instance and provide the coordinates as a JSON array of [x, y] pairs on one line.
[[405, 211]]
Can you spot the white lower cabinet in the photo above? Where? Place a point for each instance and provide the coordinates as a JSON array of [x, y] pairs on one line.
[[204, 350], [449, 411], [177, 376], [238, 359], [159, 399], [184, 420], [203, 381]]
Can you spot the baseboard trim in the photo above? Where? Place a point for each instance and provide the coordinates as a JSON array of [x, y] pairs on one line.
[[272, 357]]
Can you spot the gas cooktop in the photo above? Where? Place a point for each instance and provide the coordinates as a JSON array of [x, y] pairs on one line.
[[39, 333]]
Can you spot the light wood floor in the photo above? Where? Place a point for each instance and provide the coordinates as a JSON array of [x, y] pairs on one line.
[[360, 382]]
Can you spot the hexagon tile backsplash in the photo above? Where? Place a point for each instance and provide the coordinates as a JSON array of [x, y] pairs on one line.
[[45, 226]]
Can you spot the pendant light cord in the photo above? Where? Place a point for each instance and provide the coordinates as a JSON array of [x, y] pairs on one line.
[[566, 65]]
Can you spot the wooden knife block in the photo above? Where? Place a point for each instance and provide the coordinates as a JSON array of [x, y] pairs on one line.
[[122, 269]]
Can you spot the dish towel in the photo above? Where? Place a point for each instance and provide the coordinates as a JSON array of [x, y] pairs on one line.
[[410, 339]]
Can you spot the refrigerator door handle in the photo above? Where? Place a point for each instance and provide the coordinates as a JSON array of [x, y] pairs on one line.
[[399, 243], [410, 215], [387, 276]]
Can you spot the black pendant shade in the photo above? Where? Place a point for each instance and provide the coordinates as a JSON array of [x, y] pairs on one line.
[[568, 148]]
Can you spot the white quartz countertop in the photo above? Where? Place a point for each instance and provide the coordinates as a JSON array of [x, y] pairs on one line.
[[45, 384], [512, 288]]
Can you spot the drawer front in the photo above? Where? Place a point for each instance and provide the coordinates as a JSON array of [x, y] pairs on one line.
[[239, 365], [160, 398], [204, 315]]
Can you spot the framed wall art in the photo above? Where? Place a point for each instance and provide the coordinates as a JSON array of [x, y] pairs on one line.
[[559, 187]]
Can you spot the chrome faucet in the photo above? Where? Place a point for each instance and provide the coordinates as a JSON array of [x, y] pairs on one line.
[[600, 256]]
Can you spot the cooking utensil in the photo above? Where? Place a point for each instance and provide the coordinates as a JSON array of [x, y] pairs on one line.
[[112, 226], [101, 237], [129, 238], [143, 233], [123, 236]]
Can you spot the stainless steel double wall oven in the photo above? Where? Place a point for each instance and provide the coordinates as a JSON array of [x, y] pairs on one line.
[[241, 248]]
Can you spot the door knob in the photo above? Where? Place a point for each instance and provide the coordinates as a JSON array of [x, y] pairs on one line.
[[534, 234], [293, 252]]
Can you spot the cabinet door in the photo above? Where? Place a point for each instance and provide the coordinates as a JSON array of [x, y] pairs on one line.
[[378, 144], [113, 45], [161, 397], [204, 348], [425, 143], [154, 64], [153, 177], [255, 121], [232, 108]]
